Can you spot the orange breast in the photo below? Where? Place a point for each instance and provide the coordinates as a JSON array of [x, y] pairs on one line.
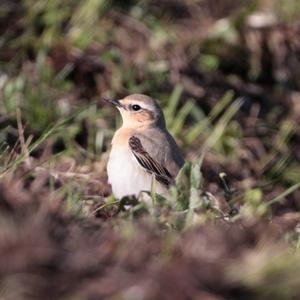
[[121, 137]]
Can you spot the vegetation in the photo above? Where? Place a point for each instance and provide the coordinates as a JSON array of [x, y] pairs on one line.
[[227, 76]]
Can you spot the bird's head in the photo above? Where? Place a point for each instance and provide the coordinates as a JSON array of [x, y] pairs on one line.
[[139, 110]]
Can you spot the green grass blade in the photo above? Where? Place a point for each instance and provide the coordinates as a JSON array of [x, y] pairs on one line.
[[173, 101], [284, 194], [221, 125], [217, 109], [181, 117]]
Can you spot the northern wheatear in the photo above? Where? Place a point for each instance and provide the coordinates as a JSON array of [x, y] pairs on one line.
[[142, 149]]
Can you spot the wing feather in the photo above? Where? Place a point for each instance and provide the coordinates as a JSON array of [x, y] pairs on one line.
[[161, 173]]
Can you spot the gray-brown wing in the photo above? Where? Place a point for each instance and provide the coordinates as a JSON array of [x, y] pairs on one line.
[[161, 173]]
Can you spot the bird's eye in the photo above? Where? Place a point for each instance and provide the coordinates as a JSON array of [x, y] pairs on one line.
[[136, 107]]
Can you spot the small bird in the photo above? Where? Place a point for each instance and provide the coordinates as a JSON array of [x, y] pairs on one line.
[[142, 149]]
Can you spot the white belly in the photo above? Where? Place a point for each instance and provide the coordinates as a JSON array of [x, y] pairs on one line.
[[125, 175]]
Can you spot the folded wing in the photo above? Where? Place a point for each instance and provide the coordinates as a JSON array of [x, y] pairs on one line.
[[162, 175]]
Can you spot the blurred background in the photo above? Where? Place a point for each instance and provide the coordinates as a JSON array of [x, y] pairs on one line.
[[227, 73], [196, 57]]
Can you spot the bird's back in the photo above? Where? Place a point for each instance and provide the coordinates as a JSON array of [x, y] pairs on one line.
[[161, 146]]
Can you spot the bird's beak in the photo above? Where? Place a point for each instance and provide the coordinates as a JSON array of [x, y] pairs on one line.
[[113, 101]]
